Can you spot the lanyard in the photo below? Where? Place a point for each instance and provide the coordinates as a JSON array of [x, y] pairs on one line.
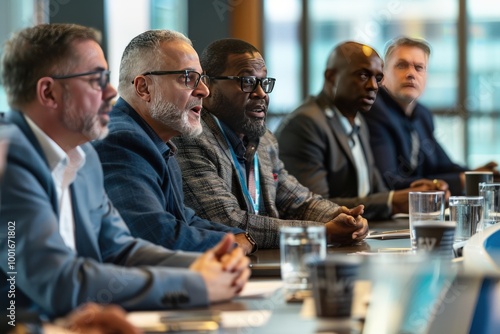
[[241, 174]]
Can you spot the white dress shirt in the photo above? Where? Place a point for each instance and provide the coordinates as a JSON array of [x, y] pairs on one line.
[[357, 152], [64, 167]]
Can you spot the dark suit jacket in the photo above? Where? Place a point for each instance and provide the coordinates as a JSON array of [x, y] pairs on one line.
[[143, 179], [213, 188], [390, 141], [109, 266], [315, 149]]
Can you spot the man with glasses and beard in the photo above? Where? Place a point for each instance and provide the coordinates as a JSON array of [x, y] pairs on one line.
[[232, 172], [161, 90], [63, 243]]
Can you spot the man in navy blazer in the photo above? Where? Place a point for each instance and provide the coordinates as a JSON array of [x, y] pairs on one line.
[[62, 242], [402, 129], [161, 90]]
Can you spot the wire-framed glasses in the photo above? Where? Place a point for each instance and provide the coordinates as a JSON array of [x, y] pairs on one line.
[[249, 84], [98, 83], [190, 78]]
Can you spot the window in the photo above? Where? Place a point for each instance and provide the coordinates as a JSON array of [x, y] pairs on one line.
[[16, 14], [298, 64]]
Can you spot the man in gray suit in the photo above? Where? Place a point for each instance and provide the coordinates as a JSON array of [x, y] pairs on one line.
[[232, 173], [66, 242], [325, 141]]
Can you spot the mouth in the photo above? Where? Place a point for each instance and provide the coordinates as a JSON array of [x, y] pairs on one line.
[[368, 99], [408, 85], [104, 112], [258, 112], [196, 109]]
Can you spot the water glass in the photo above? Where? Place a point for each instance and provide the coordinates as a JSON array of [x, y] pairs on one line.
[[491, 194], [425, 205], [467, 212], [295, 244]]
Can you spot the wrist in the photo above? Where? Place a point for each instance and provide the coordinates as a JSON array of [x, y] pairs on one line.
[[252, 242]]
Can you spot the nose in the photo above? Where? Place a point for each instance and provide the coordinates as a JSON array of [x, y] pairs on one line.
[[109, 92], [372, 83], [258, 93], [201, 90], [410, 72]]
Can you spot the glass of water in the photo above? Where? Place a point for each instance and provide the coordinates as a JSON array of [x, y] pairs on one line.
[[491, 194], [467, 212], [296, 243], [424, 205]]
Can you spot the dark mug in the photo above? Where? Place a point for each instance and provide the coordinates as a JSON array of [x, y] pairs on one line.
[[472, 180]]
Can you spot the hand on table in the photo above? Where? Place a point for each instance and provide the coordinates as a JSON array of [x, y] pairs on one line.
[[224, 269], [348, 227], [93, 318], [400, 197]]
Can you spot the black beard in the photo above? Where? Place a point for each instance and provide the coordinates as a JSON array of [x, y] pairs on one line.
[[253, 130], [234, 117]]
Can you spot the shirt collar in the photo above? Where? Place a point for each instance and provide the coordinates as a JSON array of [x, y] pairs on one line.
[[54, 153], [346, 125], [234, 140]]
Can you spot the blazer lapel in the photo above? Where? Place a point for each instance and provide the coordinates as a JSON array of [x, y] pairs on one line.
[[214, 128], [338, 132], [18, 119], [86, 245]]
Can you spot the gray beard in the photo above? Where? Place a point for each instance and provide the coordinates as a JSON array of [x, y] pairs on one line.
[[169, 115]]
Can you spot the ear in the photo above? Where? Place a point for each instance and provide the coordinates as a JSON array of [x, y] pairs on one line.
[[141, 88], [47, 93], [330, 76]]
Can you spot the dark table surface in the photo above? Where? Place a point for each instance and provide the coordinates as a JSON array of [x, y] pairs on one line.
[[270, 256], [285, 316]]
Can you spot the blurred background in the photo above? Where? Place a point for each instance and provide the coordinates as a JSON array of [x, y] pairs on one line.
[[296, 36]]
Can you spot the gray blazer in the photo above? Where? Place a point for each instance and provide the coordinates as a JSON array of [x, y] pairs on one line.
[[315, 149], [213, 189], [109, 266]]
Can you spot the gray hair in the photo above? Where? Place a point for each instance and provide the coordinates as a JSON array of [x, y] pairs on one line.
[[144, 53], [406, 41]]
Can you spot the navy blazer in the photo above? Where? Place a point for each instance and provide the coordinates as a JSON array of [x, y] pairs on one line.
[[144, 181], [390, 140], [315, 149], [109, 266]]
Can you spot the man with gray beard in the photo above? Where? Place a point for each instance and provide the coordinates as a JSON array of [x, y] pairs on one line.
[[232, 172], [161, 89]]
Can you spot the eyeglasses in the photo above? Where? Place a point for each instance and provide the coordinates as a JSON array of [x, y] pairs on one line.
[[98, 83], [249, 84], [191, 78]]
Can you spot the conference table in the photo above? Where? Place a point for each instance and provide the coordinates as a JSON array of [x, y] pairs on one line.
[[411, 303], [289, 317]]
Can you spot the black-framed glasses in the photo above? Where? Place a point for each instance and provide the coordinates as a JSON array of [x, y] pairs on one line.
[[249, 84], [98, 83], [191, 78]]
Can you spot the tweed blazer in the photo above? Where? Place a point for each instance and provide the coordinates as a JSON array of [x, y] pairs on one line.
[[213, 189], [315, 149], [108, 266]]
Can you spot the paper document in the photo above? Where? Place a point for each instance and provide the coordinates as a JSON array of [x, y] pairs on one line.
[[395, 234], [260, 289]]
